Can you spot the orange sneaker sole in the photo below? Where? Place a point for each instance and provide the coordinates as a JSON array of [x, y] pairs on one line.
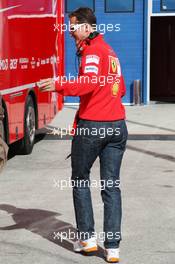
[[93, 249], [113, 260]]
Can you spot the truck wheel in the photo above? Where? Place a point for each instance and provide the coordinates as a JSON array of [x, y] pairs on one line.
[[2, 130], [29, 127]]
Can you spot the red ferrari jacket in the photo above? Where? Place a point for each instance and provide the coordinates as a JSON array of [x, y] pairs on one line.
[[100, 83]]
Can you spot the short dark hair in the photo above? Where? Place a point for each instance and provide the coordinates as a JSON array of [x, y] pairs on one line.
[[84, 15]]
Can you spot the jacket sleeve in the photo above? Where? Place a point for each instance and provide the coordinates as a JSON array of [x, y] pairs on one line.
[[86, 82]]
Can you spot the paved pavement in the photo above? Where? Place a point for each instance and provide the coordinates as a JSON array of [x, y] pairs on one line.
[[33, 206]]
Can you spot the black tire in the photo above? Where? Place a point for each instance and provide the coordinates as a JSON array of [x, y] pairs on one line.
[[29, 127], [2, 130], [2, 121]]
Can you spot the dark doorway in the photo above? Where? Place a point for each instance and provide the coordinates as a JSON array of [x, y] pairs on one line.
[[162, 71]]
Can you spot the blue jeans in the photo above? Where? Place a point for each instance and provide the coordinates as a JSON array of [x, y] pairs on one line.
[[106, 140]]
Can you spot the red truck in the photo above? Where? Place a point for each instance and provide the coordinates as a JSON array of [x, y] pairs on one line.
[[30, 49]]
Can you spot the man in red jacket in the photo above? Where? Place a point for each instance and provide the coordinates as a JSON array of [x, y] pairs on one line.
[[100, 132]]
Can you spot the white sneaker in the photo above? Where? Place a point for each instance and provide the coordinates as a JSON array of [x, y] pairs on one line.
[[89, 245], [112, 255]]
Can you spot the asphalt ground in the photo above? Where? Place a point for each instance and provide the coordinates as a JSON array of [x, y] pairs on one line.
[[36, 199]]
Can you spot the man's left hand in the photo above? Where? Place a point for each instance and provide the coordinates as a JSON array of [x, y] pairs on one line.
[[47, 85]]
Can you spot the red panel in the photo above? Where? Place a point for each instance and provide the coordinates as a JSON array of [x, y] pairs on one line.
[[30, 50]]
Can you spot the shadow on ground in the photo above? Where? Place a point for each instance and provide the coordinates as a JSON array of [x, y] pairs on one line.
[[45, 224], [14, 149]]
